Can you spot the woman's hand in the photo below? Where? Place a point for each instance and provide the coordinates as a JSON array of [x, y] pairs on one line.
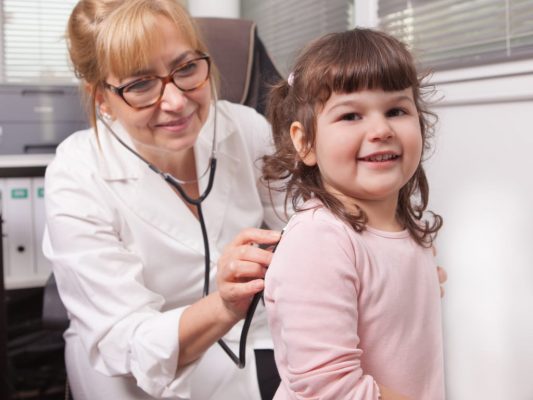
[[242, 267]]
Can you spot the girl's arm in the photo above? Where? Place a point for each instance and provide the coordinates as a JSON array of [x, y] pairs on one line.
[[311, 297]]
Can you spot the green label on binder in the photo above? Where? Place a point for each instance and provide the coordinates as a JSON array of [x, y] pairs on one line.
[[40, 192], [21, 193]]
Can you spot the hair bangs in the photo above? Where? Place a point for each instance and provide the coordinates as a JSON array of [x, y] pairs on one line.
[[133, 33], [358, 62], [369, 63]]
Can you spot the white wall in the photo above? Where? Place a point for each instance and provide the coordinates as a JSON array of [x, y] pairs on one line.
[[481, 182], [215, 8]]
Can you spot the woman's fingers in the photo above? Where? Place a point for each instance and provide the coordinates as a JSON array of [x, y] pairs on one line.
[[254, 254], [237, 296], [243, 270], [255, 236], [242, 258], [242, 267]]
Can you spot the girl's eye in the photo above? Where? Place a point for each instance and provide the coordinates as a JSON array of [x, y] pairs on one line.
[[350, 117], [396, 112]]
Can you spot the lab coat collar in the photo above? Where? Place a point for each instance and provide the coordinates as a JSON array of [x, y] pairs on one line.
[[153, 200], [117, 163]]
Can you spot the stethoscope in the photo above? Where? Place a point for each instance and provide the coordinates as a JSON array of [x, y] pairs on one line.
[[239, 360]]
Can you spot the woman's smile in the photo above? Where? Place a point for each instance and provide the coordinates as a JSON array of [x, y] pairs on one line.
[[176, 125]]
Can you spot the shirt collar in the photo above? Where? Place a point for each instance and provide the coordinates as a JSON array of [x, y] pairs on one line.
[[118, 163]]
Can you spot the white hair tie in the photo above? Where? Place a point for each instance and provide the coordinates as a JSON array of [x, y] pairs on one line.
[[290, 79]]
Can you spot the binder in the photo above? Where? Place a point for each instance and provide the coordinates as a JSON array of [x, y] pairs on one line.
[[43, 267], [17, 213], [5, 251]]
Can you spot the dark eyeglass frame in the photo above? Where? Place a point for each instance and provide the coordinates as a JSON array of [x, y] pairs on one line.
[[119, 90]]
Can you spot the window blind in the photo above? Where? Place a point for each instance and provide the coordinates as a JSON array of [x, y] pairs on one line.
[[286, 26], [458, 33], [33, 48]]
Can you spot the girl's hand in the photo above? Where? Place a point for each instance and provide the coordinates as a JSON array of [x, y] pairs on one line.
[[388, 394], [441, 273], [443, 277], [242, 267]]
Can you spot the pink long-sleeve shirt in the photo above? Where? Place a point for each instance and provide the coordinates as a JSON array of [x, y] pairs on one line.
[[351, 310]]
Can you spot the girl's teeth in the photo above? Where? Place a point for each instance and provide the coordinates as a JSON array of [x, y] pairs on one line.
[[382, 157]]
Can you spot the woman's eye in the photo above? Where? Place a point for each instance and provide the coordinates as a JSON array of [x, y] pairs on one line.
[[187, 69], [350, 117], [396, 112], [142, 86]]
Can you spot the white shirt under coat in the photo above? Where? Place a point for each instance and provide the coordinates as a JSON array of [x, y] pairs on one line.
[[128, 258]]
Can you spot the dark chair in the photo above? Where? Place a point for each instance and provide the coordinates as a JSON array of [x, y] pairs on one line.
[[246, 69], [54, 313]]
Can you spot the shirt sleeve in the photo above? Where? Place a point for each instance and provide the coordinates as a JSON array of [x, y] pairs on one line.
[[118, 319], [311, 297]]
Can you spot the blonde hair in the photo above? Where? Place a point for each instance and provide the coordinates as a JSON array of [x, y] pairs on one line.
[[116, 37]]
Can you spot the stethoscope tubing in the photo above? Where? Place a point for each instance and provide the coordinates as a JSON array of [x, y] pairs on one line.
[[240, 360]]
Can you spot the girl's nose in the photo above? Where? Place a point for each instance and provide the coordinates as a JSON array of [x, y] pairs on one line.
[[173, 98], [380, 129]]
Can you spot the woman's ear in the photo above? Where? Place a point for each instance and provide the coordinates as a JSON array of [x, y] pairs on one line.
[[101, 103], [307, 154]]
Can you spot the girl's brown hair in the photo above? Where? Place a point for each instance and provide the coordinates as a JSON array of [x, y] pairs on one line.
[[345, 62], [117, 36]]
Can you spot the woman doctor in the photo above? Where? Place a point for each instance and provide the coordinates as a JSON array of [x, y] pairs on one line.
[[126, 248]]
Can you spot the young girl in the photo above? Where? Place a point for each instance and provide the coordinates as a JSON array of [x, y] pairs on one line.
[[351, 294]]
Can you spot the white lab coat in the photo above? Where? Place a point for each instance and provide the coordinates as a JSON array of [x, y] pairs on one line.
[[128, 259]]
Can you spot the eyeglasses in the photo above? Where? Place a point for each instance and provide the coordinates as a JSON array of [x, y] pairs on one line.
[[148, 91]]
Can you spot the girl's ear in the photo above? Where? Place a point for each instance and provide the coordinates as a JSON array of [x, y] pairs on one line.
[[307, 154]]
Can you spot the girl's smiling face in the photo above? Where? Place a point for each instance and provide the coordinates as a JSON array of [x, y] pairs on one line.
[[368, 145]]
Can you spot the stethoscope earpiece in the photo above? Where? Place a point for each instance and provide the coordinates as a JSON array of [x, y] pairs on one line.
[[100, 114]]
